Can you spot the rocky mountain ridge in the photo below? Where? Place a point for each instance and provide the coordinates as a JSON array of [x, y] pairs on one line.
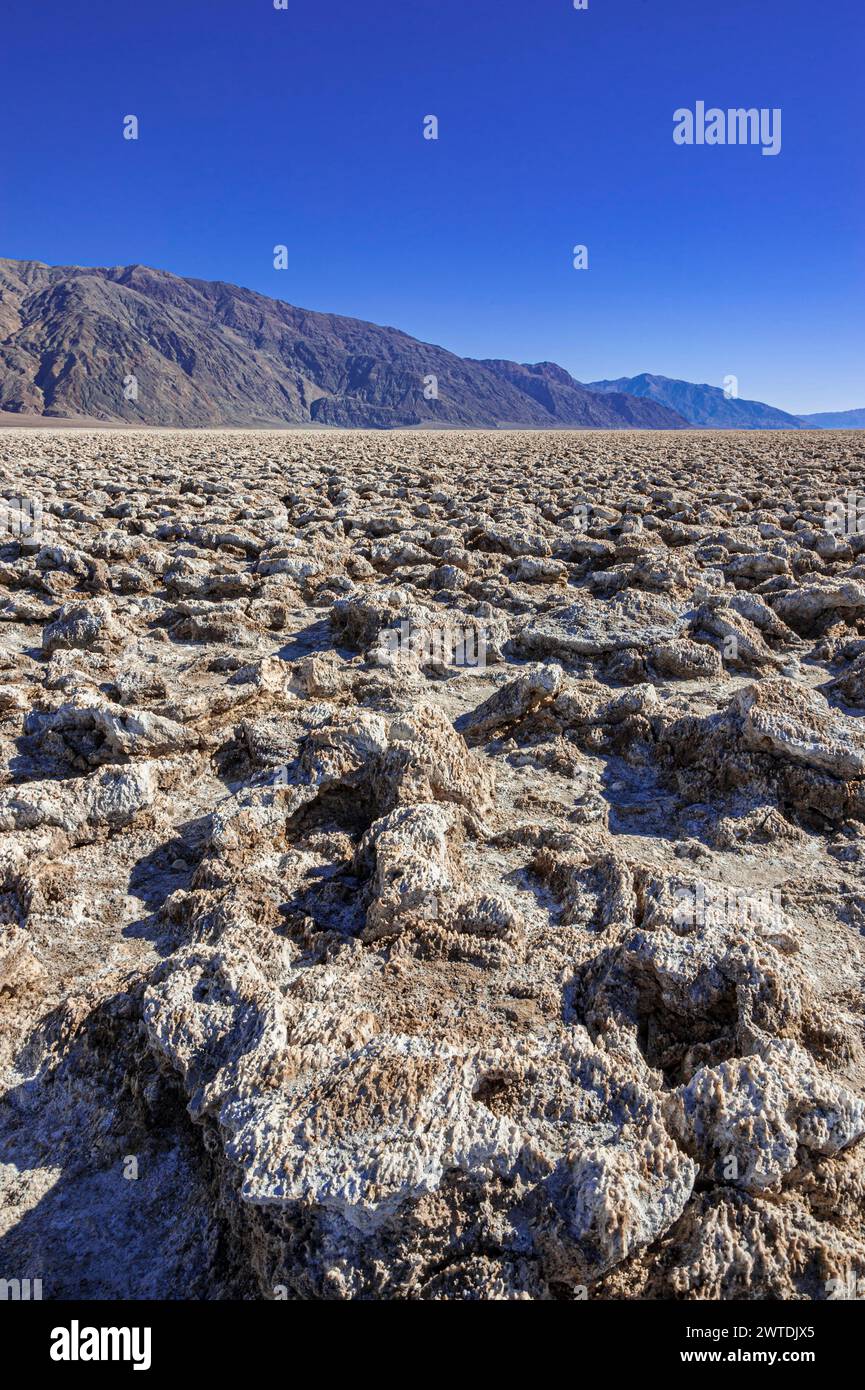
[[143, 346]]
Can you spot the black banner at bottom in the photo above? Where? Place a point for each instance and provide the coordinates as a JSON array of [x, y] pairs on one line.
[[151, 1338]]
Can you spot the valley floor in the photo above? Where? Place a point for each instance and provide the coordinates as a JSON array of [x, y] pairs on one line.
[[432, 865]]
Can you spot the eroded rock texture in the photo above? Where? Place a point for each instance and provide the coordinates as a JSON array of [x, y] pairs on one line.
[[431, 866]]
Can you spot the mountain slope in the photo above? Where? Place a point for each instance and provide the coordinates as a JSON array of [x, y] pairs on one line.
[[701, 404], [209, 353], [551, 387], [835, 420]]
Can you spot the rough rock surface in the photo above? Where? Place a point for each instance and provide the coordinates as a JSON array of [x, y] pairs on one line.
[[148, 347], [432, 867]]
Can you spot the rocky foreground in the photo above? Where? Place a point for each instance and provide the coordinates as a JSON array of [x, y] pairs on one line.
[[433, 866]]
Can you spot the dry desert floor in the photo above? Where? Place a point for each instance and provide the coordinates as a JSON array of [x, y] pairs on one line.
[[432, 866]]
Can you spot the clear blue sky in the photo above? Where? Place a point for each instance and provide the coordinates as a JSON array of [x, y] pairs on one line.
[[304, 127]]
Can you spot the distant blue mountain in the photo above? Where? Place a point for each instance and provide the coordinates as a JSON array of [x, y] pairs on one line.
[[703, 405], [836, 420]]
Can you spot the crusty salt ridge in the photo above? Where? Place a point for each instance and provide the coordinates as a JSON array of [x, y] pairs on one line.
[[330, 968]]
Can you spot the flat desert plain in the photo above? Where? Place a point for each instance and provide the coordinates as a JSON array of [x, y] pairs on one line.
[[432, 866]]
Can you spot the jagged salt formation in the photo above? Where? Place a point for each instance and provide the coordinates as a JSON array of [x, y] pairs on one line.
[[535, 977]]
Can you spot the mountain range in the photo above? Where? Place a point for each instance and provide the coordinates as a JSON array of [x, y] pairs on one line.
[[142, 346], [707, 406], [836, 420]]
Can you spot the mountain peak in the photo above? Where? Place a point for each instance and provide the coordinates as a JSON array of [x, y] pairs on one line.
[[143, 345], [708, 406]]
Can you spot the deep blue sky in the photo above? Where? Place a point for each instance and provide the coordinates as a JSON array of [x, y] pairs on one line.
[[304, 127]]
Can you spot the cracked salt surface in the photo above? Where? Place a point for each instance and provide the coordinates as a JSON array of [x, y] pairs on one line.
[[378, 966]]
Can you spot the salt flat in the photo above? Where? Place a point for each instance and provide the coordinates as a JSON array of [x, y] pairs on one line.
[[432, 864]]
